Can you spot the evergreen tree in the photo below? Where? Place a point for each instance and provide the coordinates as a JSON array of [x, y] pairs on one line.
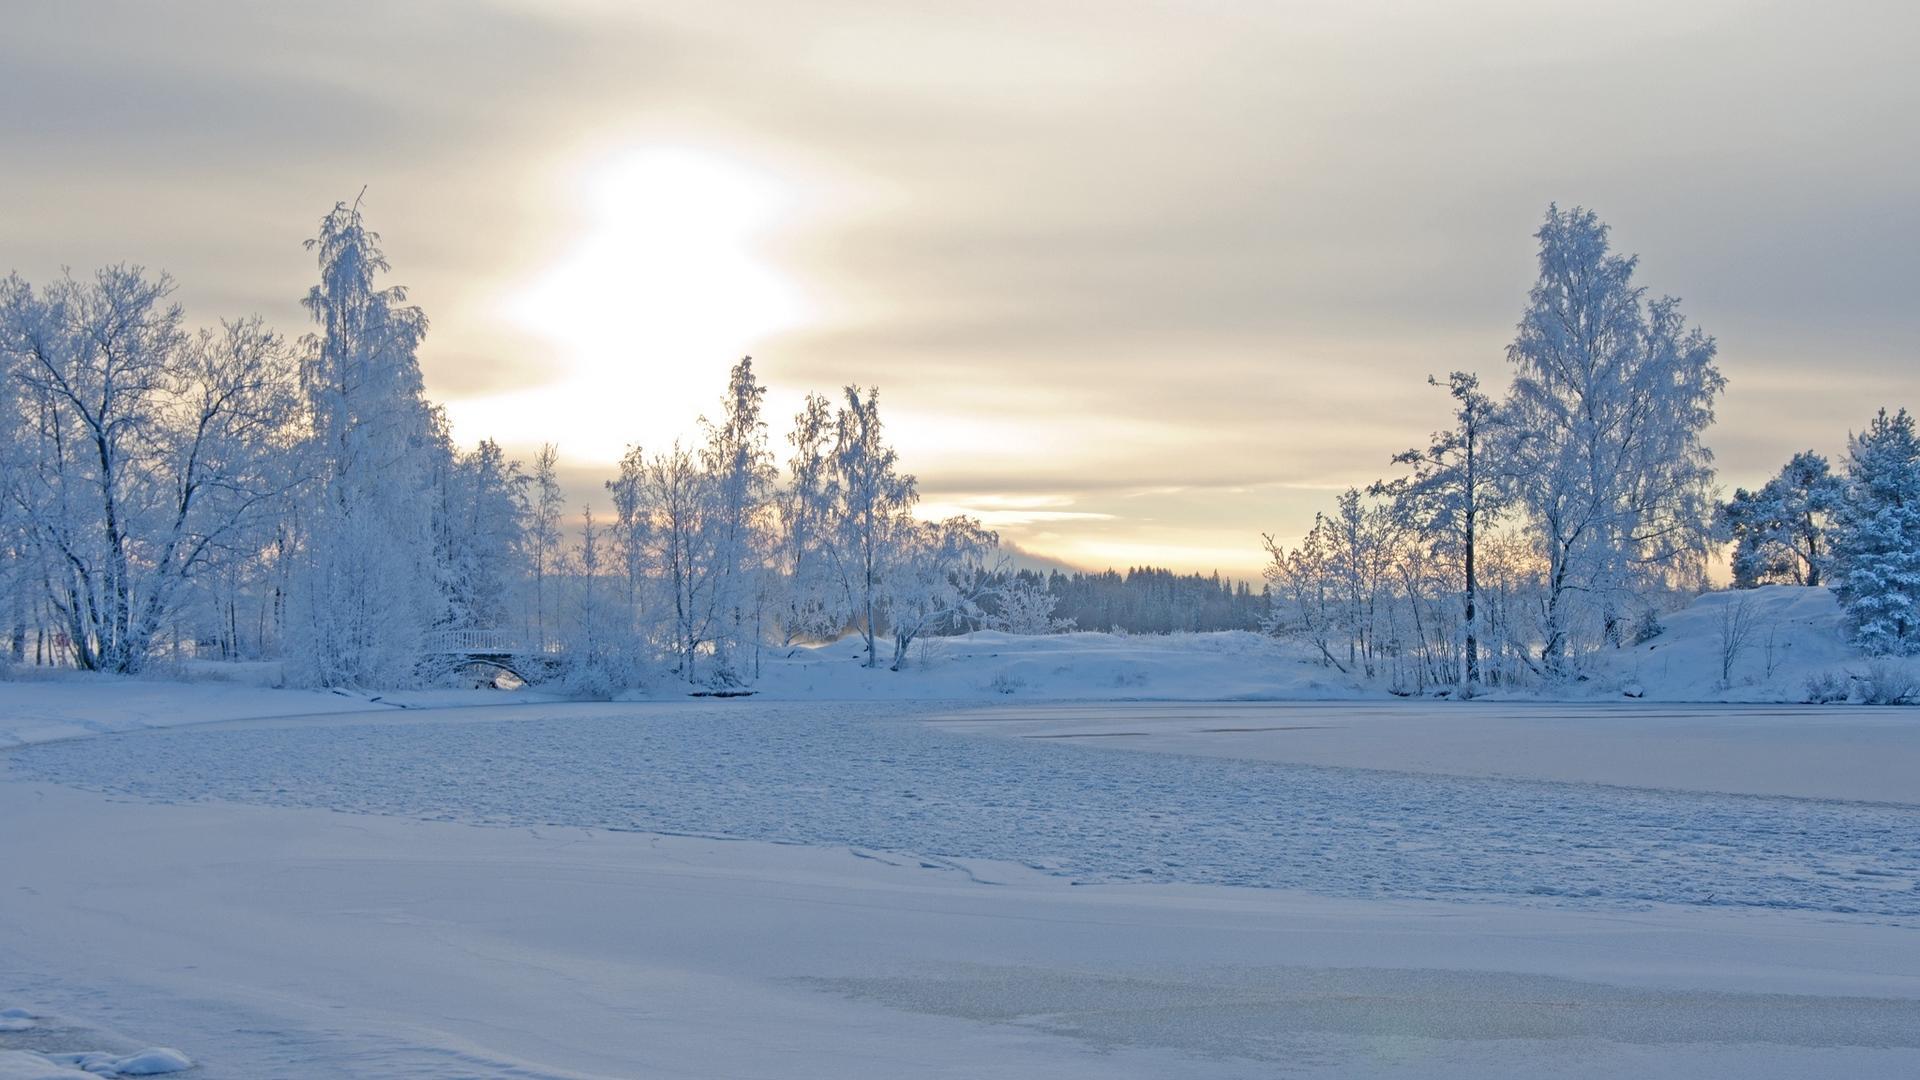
[[1876, 537]]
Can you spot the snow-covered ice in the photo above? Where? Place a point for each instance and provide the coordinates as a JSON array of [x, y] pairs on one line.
[[890, 889], [850, 775]]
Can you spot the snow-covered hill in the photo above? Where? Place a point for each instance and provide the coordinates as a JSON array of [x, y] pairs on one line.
[[1762, 644]]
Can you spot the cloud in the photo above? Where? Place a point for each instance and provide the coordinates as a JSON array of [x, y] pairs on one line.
[[1181, 266]]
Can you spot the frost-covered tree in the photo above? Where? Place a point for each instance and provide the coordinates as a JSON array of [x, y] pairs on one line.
[[936, 577], [1876, 537], [482, 528], [547, 503], [366, 589], [1779, 531], [630, 532], [1335, 589], [1610, 396], [811, 605], [1024, 604], [140, 452], [1452, 494], [871, 512], [597, 658], [678, 495], [742, 474]]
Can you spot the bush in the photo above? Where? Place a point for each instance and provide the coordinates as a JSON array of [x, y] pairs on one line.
[[1826, 688], [1006, 684], [1648, 628], [1889, 683]]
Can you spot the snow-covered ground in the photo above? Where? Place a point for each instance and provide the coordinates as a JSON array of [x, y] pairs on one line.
[[313, 897], [1080, 855], [46, 705], [1790, 633]]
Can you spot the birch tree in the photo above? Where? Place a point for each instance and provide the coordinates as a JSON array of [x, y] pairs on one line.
[[139, 450], [1610, 396], [365, 591]]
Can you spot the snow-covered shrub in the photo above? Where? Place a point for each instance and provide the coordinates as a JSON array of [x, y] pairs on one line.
[[1825, 688], [1888, 683], [1648, 627], [1006, 684]]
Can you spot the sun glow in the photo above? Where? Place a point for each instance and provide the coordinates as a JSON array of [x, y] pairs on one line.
[[666, 286]]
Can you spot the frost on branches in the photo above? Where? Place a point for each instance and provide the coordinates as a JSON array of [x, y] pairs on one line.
[[1876, 542]]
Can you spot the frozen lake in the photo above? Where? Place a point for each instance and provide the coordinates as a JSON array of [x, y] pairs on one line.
[[874, 778]]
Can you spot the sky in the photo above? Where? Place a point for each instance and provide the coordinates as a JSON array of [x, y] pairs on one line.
[[1137, 282]]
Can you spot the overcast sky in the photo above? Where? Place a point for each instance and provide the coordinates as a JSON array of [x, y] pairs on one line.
[[1138, 282]]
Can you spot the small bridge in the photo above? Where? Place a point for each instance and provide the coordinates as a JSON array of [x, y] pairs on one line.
[[523, 655]]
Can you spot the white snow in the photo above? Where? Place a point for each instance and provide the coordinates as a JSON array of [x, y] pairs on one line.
[[45, 705], [25, 1065], [994, 886], [993, 666], [281, 941], [1796, 631]]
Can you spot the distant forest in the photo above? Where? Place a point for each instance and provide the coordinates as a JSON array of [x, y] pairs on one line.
[[1150, 600]]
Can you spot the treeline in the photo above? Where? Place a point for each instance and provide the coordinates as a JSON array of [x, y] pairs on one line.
[[1150, 600], [169, 491], [1540, 529]]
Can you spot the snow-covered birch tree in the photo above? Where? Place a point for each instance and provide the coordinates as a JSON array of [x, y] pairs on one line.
[[871, 512], [742, 473], [140, 450], [1610, 396], [365, 590]]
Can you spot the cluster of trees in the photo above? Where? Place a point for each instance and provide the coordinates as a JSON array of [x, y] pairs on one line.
[[168, 490], [1544, 527], [1151, 600], [1537, 529], [1857, 531]]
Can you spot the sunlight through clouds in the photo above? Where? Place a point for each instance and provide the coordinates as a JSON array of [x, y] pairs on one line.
[[666, 286]]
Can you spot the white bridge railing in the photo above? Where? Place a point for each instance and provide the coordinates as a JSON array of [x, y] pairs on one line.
[[486, 643]]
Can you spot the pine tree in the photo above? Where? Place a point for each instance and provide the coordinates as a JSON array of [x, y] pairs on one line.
[[1876, 537], [1779, 531]]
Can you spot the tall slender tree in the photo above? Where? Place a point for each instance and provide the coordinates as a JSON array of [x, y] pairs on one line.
[[872, 503], [366, 590], [1451, 494]]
